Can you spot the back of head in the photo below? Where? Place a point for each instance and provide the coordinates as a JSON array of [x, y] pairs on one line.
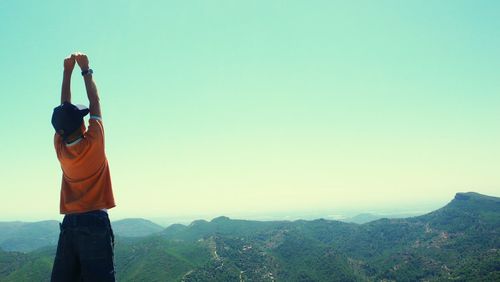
[[67, 118]]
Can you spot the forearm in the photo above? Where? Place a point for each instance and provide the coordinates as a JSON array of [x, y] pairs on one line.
[[93, 95], [94, 104], [66, 87]]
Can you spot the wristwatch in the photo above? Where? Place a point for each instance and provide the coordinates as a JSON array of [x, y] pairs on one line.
[[87, 72]]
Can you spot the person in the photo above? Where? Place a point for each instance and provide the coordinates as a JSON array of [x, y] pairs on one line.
[[85, 248]]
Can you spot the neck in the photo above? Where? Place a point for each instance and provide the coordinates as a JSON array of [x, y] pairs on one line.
[[72, 139]]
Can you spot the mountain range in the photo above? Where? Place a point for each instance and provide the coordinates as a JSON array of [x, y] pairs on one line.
[[29, 236], [460, 241]]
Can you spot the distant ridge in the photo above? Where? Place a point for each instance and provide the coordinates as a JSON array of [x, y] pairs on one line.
[[362, 218], [135, 227], [473, 196], [27, 236], [220, 219], [471, 202]]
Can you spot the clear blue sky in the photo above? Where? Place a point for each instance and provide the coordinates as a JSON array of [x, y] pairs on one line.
[[228, 107]]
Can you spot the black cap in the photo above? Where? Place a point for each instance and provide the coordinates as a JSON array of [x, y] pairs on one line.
[[67, 118]]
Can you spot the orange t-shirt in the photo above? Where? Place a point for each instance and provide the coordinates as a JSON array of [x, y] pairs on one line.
[[86, 182]]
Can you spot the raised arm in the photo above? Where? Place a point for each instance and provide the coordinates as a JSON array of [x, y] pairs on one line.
[[69, 64], [94, 104]]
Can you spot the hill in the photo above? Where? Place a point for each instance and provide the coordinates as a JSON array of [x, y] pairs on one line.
[[135, 227], [28, 236]]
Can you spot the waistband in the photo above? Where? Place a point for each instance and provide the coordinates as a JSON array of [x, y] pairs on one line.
[[90, 218]]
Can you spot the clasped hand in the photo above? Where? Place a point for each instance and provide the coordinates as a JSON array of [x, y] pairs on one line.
[[80, 58]]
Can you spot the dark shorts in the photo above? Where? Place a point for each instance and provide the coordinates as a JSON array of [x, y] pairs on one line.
[[85, 248]]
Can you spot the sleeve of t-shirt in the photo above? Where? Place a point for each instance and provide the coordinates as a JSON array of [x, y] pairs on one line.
[[95, 132]]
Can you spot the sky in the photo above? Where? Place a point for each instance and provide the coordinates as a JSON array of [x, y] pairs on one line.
[[257, 107]]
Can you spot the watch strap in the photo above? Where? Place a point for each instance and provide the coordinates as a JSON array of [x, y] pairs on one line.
[[87, 72]]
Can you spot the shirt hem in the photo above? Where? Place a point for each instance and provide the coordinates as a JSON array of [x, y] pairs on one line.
[[107, 207]]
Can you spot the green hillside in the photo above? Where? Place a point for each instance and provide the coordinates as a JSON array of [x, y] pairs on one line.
[[158, 259], [34, 266]]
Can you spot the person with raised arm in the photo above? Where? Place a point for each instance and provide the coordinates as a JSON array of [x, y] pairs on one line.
[[85, 249]]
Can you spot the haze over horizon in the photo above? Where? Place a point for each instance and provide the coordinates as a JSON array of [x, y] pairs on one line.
[[259, 107]]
